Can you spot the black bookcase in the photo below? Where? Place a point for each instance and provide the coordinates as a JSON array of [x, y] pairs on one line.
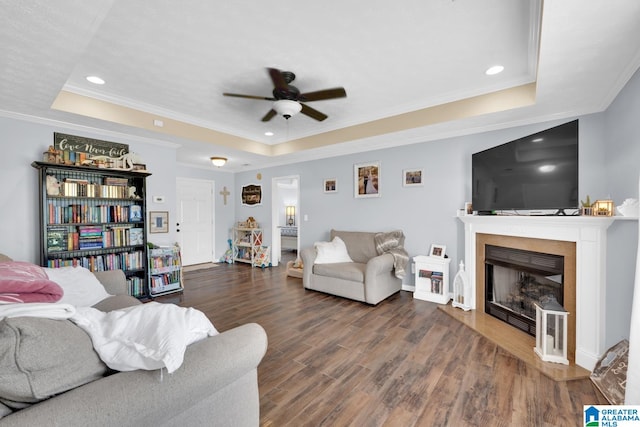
[[95, 218]]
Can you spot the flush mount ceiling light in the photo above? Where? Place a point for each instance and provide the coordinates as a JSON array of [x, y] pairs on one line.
[[95, 80], [218, 161], [287, 108], [496, 69]]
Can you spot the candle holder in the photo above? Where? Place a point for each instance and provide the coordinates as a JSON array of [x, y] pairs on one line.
[[551, 330]]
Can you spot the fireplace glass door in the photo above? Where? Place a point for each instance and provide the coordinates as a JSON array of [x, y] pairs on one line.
[[516, 279]]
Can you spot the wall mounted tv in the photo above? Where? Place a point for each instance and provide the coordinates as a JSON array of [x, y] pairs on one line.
[[537, 173]]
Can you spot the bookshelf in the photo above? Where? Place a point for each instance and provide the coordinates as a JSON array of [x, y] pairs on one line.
[[165, 271], [246, 242], [432, 279], [95, 218]]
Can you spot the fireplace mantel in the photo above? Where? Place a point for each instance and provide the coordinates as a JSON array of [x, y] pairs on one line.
[[590, 237]]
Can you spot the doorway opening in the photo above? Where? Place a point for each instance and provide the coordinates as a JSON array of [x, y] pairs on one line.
[[285, 218]]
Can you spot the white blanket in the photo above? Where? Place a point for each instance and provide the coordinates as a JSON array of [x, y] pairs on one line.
[[37, 309], [148, 336]]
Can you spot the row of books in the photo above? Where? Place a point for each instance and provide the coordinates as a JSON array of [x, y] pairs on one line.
[[92, 237], [436, 282], [136, 286], [165, 263], [119, 261], [71, 187], [435, 277], [165, 282], [76, 213]]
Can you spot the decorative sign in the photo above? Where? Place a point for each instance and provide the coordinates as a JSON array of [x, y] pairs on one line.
[[89, 146], [252, 194]]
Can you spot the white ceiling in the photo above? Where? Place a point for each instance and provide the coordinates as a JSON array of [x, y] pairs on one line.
[[173, 60]]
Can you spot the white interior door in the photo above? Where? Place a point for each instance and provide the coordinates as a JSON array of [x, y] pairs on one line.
[[195, 224]]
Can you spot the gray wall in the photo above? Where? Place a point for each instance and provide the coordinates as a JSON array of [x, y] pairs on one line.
[[621, 147]]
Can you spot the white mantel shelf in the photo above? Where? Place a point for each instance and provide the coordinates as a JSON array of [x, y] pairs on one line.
[[590, 236]]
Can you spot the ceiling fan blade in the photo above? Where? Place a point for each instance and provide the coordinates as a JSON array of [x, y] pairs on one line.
[[278, 79], [313, 113], [237, 95], [270, 115], [336, 92]]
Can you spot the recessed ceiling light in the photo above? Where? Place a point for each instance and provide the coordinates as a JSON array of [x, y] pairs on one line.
[[547, 168], [494, 70], [537, 140], [95, 80], [268, 133]]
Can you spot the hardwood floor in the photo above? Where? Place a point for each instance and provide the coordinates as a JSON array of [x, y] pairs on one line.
[[336, 362]]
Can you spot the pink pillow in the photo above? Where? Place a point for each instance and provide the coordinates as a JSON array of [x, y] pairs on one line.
[[25, 282]]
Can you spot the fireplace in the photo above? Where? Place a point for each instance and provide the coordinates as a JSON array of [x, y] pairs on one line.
[[516, 279], [581, 240]]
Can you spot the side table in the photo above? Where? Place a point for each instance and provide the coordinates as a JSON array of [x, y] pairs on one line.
[[432, 279]]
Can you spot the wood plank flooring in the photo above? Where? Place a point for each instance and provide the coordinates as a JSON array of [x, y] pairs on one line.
[[336, 362]]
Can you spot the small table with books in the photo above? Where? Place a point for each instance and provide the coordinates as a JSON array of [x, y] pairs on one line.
[[432, 279]]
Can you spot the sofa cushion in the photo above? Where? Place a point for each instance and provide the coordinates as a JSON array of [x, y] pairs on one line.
[[360, 244], [331, 252], [81, 287], [353, 271], [43, 357]]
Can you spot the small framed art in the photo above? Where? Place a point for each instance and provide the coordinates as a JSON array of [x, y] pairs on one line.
[[331, 185], [366, 180], [159, 222], [437, 251], [412, 177], [251, 195]]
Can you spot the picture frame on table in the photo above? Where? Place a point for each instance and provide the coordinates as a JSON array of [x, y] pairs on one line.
[[437, 251], [412, 177], [330, 185], [159, 222], [366, 180]]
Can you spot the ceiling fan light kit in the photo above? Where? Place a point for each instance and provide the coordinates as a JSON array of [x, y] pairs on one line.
[[287, 108], [218, 161], [288, 101]]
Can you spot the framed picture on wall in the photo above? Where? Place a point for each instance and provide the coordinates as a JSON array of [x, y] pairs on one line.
[[412, 177], [331, 185], [251, 195], [159, 222], [366, 180]]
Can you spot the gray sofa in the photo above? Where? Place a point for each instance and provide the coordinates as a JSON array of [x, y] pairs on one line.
[[215, 386], [369, 278]]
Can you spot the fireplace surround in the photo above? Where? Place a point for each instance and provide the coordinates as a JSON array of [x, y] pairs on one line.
[[581, 240]]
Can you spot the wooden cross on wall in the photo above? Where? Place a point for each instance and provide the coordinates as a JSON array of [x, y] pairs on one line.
[[224, 193]]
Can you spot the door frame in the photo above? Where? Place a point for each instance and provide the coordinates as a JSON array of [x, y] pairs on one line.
[[275, 231]]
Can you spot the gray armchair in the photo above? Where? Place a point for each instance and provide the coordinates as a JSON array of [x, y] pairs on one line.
[[370, 278]]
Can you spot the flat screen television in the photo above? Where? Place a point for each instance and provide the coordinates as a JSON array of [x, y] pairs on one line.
[[537, 173]]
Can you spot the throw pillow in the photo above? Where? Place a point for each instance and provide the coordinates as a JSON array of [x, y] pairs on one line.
[[23, 282], [43, 357], [81, 287], [331, 252]]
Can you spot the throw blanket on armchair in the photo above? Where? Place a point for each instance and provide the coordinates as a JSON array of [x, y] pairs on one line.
[[392, 243]]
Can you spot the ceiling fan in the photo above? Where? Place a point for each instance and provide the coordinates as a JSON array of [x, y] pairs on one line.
[[287, 99]]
